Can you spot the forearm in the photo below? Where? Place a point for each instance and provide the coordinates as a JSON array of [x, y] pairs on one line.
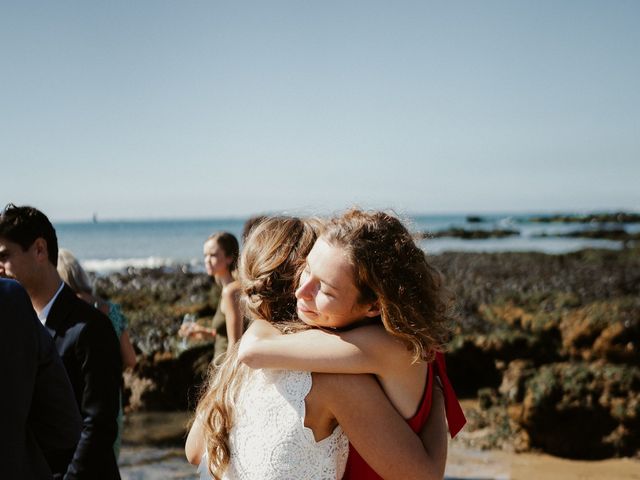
[[263, 346], [434, 434], [379, 434], [194, 446], [127, 352]]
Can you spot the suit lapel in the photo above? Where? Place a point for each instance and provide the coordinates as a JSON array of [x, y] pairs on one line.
[[57, 319]]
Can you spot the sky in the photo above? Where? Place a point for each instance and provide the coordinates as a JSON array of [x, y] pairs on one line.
[[185, 109]]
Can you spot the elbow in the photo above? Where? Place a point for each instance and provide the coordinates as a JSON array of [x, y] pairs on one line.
[[247, 354], [130, 363], [193, 455], [129, 359]]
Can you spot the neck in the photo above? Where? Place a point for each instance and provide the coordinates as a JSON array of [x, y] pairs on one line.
[[224, 279], [45, 289], [360, 323]]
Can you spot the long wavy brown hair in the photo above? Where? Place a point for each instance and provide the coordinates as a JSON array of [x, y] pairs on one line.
[[390, 269], [270, 265]]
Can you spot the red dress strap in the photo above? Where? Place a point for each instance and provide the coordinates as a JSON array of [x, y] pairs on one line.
[[424, 409], [455, 415]]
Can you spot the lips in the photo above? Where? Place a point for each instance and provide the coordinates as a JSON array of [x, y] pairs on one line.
[[304, 310]]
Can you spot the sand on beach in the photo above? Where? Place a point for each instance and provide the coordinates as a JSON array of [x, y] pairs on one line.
[[470, 463], [498, 465], [142, 463]]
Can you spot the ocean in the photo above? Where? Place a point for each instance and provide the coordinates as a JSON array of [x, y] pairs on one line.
[[108, 246]]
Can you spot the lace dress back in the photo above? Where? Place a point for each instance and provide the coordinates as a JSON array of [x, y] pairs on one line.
[[269, 441]]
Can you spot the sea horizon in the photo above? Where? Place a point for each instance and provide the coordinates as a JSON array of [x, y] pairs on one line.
[[105, 246], [97, 217]]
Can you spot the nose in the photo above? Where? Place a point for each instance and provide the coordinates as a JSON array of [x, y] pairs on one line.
[[305, 290]]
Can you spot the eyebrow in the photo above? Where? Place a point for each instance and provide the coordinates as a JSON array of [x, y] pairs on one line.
[[328, 284], [306, 266]]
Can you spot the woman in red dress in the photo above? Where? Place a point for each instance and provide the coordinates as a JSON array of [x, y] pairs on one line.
[[378, 307]]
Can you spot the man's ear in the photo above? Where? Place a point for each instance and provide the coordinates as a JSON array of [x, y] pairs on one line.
[[40, 249], [374, 310]]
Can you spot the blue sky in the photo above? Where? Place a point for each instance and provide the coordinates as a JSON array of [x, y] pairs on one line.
[[198, 109]]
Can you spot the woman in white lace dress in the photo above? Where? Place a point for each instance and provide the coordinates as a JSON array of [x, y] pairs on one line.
[[266, 424]]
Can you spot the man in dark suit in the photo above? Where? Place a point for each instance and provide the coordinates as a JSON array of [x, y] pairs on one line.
[[83, 336], [40, 419]]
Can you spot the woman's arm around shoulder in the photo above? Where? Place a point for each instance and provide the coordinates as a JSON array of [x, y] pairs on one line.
[[381, 436], [434, 434], [366, 349]]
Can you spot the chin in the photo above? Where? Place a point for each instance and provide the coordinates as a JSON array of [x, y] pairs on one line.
[[305, 319]]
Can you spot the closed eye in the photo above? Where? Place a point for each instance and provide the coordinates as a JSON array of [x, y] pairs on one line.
[[329, 292]]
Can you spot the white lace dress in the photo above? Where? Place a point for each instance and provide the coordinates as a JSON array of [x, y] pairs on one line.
[[269, 440]]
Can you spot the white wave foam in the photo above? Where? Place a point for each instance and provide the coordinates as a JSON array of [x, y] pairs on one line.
[[111, 265]]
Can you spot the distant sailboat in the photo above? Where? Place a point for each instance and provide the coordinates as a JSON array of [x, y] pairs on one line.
[[95, 217]]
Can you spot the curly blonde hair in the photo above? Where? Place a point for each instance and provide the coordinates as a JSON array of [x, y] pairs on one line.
[[270, 264], [390, 269]]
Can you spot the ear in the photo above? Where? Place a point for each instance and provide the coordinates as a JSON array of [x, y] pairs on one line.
[[40, 249], [374, 310]]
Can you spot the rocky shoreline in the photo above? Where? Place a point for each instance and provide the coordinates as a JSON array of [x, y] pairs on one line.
[[616, 226], [548, 344], [607, 217], [616, 234]]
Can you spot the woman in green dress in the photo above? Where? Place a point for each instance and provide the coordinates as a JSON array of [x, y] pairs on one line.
[[221, 260]]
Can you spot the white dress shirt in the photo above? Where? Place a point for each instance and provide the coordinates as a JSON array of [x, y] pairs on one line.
[[42, 315]]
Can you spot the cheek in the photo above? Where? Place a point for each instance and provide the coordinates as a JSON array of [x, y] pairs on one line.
[[324, 304]]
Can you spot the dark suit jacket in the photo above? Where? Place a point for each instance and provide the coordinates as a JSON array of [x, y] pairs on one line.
[[90, 350], [39, 418]]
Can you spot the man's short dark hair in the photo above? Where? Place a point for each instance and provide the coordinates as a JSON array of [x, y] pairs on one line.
[[24, 225]]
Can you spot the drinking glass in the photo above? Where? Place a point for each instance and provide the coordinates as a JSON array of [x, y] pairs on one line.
[[189, 319]]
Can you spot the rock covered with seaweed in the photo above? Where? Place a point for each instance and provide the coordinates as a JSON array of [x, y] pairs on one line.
[[169, 370], [549, 344]]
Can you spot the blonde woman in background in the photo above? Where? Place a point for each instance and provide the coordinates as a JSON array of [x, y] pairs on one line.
[[74, 275]]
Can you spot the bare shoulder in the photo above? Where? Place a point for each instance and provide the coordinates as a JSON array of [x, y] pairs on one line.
[[373, 332], [231, 289], [377, 338]]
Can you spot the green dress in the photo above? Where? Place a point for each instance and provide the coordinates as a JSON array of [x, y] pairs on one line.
[[219, 323]]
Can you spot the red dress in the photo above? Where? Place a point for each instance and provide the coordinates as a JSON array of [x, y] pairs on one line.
[[358, 469]]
